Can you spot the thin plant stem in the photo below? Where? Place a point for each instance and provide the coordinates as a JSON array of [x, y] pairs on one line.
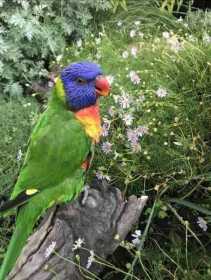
[[142, 241], [142, 265], [77, 265], [185, 224]]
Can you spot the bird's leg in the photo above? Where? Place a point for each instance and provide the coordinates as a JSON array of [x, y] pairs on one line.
[[85, 193]]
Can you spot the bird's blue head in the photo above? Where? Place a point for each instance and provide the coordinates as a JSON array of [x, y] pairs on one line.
[[83, 83]]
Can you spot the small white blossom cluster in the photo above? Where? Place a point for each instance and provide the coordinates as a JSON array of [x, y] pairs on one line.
[[101, 176], [105, 127], [134, 51], [90, 259], [112, 111], [132, 33], [58, 58], [134, 77], [166, 35], [128, 119], [125, 54], [78, 244], [106, 147], [133, 136], [174, 43], [136, 237], [119, 23], [161, 92], [124, 100], [202, 223], [206, 39]]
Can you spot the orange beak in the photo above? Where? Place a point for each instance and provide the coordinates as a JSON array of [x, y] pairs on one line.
[[102, 86]]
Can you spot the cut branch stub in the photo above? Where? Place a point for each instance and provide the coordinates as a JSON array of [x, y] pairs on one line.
[[49, 252]]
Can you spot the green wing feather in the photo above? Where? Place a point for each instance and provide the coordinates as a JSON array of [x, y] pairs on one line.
[[57, 148]]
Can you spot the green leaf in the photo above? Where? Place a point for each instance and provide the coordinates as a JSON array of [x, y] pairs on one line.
[[191, 205]]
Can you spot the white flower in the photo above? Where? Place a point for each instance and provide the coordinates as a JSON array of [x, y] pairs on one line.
[[79, 43], [135, 79], [19, 155], [180, 19], [124, 100], [105, 127], [106, 147], [141, 130], [98, 55], [206, 38], [134, 51], [136, 148], [174, 44], [50, 249], [136, 237], [132, 33], [177, 143], [141, 35], [111, 111], [191, 38], [128, 119], [125, 54], [202, 223], [78, 244], [141, 98], [119, 23], [166, 35], [137, 22], [58, 58], [100, 176], [90, 259], [97, 40], [161, 92]]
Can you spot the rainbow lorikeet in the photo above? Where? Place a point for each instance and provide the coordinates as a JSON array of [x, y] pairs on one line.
[[59, 151]]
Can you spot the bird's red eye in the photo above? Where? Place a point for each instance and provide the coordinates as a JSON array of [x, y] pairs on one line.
[[81, 81]]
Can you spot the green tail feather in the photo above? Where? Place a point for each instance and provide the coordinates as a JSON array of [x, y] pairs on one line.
[[24, 227], [30, 212]]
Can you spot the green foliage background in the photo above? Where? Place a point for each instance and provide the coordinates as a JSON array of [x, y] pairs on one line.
[[16, 122], [34, 32]]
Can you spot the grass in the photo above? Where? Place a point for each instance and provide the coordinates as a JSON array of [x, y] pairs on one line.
[[161, 82], [17, 120]]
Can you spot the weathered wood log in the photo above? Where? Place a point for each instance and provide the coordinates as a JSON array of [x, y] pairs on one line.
[[49, 252]]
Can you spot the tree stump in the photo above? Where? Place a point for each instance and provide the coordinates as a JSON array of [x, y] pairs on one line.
[[49, 252]]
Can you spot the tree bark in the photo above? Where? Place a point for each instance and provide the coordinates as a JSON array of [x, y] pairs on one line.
[[49, 252]]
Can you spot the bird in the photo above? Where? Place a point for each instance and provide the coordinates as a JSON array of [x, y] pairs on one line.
[[59, 153]]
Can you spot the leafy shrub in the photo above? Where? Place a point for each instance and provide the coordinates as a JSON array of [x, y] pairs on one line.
[[33, 32], [157, 134], [17, 119]]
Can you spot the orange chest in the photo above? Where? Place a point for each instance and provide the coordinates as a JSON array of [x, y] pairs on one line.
[[90, 119]]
